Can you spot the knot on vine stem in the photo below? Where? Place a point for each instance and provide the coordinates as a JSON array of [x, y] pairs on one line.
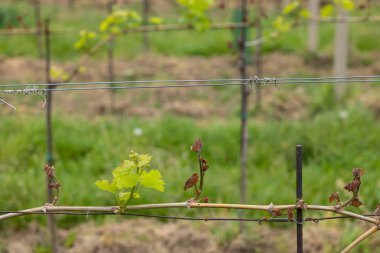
[[301, 204]]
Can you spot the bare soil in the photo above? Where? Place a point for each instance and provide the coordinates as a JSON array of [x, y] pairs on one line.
[[143, 235]]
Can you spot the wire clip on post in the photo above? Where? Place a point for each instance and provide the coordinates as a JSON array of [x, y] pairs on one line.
[[255, 81]]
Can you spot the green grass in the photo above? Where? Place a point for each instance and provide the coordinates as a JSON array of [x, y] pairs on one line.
[[86, 151]]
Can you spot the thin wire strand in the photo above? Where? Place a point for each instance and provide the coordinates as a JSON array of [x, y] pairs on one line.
[[211, 82], [127, 82], [196, 85]]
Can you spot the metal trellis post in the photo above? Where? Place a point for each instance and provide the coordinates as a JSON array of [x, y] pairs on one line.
[[244, 106], [146, 22], [299, 197], [258, 56], [49, 133]]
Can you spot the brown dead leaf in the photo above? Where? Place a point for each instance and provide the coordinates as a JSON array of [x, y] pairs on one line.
[[358, 172], [276, 212], [49, 170], [290, 213], [191, 181], [334, 196], [356, 202], [197, 146], [353, 186]]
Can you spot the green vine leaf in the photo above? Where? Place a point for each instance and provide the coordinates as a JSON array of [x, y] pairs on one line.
[[124, 176], [130, 176], [155, 20], [328, 10], [348, 5], [105, 185], [153, 180], [120, 20], [290, 7], [86, 40], [194, 13], [124, 196], [59, 74]]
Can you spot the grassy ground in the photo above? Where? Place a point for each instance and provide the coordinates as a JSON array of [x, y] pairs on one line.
[[335, 140]]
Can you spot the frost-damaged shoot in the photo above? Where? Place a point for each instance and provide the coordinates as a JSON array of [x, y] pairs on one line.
[[129, 177], [53, 183], [353, 187], [193, 180]]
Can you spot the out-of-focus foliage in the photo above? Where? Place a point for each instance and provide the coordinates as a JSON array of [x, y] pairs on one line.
[[194, 12]]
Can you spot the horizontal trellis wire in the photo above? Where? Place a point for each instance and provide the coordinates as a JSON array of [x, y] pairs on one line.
[[35, 88]]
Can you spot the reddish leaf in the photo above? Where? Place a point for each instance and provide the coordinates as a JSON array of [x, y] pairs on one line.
[[54, 185], [206, 200], [197, 146], [334, 196], [49, 170], [353, 186], [204, 167], [356, 202], [276, 212], [191, 181], [357, 172], [290, 213]]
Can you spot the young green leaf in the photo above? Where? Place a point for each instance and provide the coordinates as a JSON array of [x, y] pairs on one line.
[[327, 10], [125, 176], [143, 160], [153, 180], [129, 177], [348, 5], [155, 20], [105, 185], [124, 196], [291, 7]]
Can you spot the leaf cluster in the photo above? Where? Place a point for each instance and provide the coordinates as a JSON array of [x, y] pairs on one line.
[[129, 177], [330, 9], [86, 40], [194, 13], [289, 17], [120, 20], [352, 187], [203, 167]]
